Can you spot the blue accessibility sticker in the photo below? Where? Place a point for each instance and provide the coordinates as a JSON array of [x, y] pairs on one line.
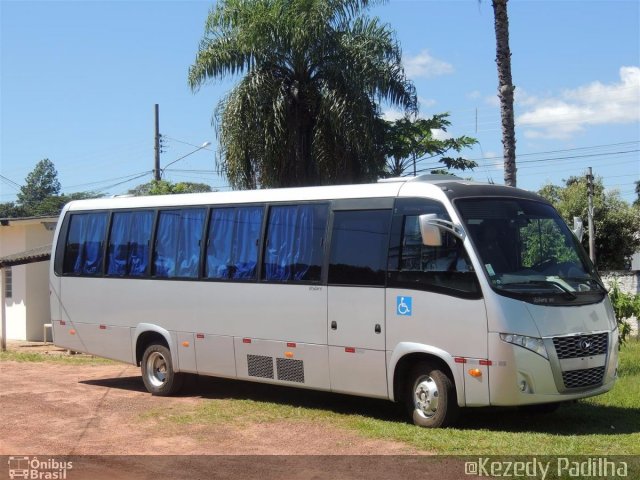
[[403, 306]]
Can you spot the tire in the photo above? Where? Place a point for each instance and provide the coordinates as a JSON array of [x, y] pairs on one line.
[[430, 397], [157, 372]]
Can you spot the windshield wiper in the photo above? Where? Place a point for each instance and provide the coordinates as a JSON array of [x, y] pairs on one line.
[[587, 279], [568, 293]]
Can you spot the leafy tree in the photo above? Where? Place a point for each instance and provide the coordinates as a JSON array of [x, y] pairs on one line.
[[305, 112], [408, 143], [41, 183], [505, 90], [11, 210], [41, 195], [163, 187], [616, 222], [53, 205], [637, 200]]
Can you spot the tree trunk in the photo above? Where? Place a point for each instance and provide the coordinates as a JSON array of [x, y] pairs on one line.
[[505, 90]]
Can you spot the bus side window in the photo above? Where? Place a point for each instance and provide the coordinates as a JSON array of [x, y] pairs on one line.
[[177, 245], [84, 248], [294, 244], [129, 240], [232, 243], [359, 244]]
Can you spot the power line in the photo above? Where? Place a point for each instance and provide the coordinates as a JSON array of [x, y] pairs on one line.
[[10, 182], [186, 143], [565, 150], [106, 180], [127, 181]]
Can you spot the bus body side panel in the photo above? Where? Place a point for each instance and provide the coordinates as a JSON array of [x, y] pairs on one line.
[[296, 313], [453, 325], [215, 355], [356, 326], [289, 363]]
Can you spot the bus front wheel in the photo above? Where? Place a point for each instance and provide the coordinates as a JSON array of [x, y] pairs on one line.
[[157, 371], [431, 397]]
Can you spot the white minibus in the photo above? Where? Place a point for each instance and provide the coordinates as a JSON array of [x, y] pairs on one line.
[[431, 291]]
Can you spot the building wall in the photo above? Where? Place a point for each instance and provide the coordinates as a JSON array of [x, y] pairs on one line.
[[38, 311], [12, 240], [28, 309]]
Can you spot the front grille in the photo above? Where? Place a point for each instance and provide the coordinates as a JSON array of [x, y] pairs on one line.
[[589, 377], [260, 366], [290, 370], [581, 345]]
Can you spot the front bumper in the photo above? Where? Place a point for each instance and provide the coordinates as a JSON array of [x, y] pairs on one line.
[[520, 377]]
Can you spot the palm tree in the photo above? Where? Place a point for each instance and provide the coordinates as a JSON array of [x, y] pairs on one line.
[[505, 90], [305, 112]]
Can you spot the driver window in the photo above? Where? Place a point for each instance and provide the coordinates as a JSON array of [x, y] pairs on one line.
[[449, 257], [443, 269]]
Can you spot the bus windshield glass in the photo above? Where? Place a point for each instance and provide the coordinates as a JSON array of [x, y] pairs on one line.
[[528, 252]]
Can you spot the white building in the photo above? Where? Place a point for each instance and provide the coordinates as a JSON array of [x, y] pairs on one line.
[[24, 243]]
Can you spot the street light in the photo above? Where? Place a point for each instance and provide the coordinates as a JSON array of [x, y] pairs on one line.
[[204, 145]]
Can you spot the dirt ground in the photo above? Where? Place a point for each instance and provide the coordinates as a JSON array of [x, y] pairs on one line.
[[58, 409]]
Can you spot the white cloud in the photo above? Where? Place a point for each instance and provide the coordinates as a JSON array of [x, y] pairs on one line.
[[426, 102], [440, 134], [392, 114], [424, 65], [564, 115]]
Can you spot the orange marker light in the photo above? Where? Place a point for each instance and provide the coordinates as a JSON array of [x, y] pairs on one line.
[[72, 331], [288, 354], [475, 372], [185, 344]]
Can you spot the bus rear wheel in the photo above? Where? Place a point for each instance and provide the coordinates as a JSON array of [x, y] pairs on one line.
[[157, 372], [431, 397]]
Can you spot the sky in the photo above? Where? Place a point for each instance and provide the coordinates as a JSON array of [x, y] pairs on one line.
[[79, 80]]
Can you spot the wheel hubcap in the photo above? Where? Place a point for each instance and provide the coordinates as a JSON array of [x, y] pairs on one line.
[[156, 369], [426, 396]]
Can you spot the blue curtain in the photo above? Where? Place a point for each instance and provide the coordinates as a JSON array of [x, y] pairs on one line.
[[85, 243], [129, 243], [220, 243], [247, 239], [177, 246], [232, 251], [294, 243]]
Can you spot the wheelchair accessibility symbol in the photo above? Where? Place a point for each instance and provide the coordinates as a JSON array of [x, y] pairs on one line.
[[403, 306]]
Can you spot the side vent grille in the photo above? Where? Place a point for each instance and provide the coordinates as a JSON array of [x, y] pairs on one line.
[[260, 366], [290, 370]]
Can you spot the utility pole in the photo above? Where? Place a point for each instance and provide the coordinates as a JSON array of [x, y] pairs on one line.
[[592, 239], [156, 169]]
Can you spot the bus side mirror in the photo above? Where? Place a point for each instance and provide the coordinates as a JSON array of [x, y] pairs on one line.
[[430, 231]]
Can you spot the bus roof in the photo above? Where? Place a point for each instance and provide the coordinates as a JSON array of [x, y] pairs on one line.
[[432, 186]]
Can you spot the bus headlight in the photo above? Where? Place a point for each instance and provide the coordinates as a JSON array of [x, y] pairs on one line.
[[536, 345]]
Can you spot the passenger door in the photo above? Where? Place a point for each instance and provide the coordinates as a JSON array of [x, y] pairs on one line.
[[356, 301]]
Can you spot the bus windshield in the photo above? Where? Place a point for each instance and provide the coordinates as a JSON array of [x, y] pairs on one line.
[[528, 251]]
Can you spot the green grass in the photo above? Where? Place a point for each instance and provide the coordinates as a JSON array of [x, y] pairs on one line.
[[11, 355], [605, 425]]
